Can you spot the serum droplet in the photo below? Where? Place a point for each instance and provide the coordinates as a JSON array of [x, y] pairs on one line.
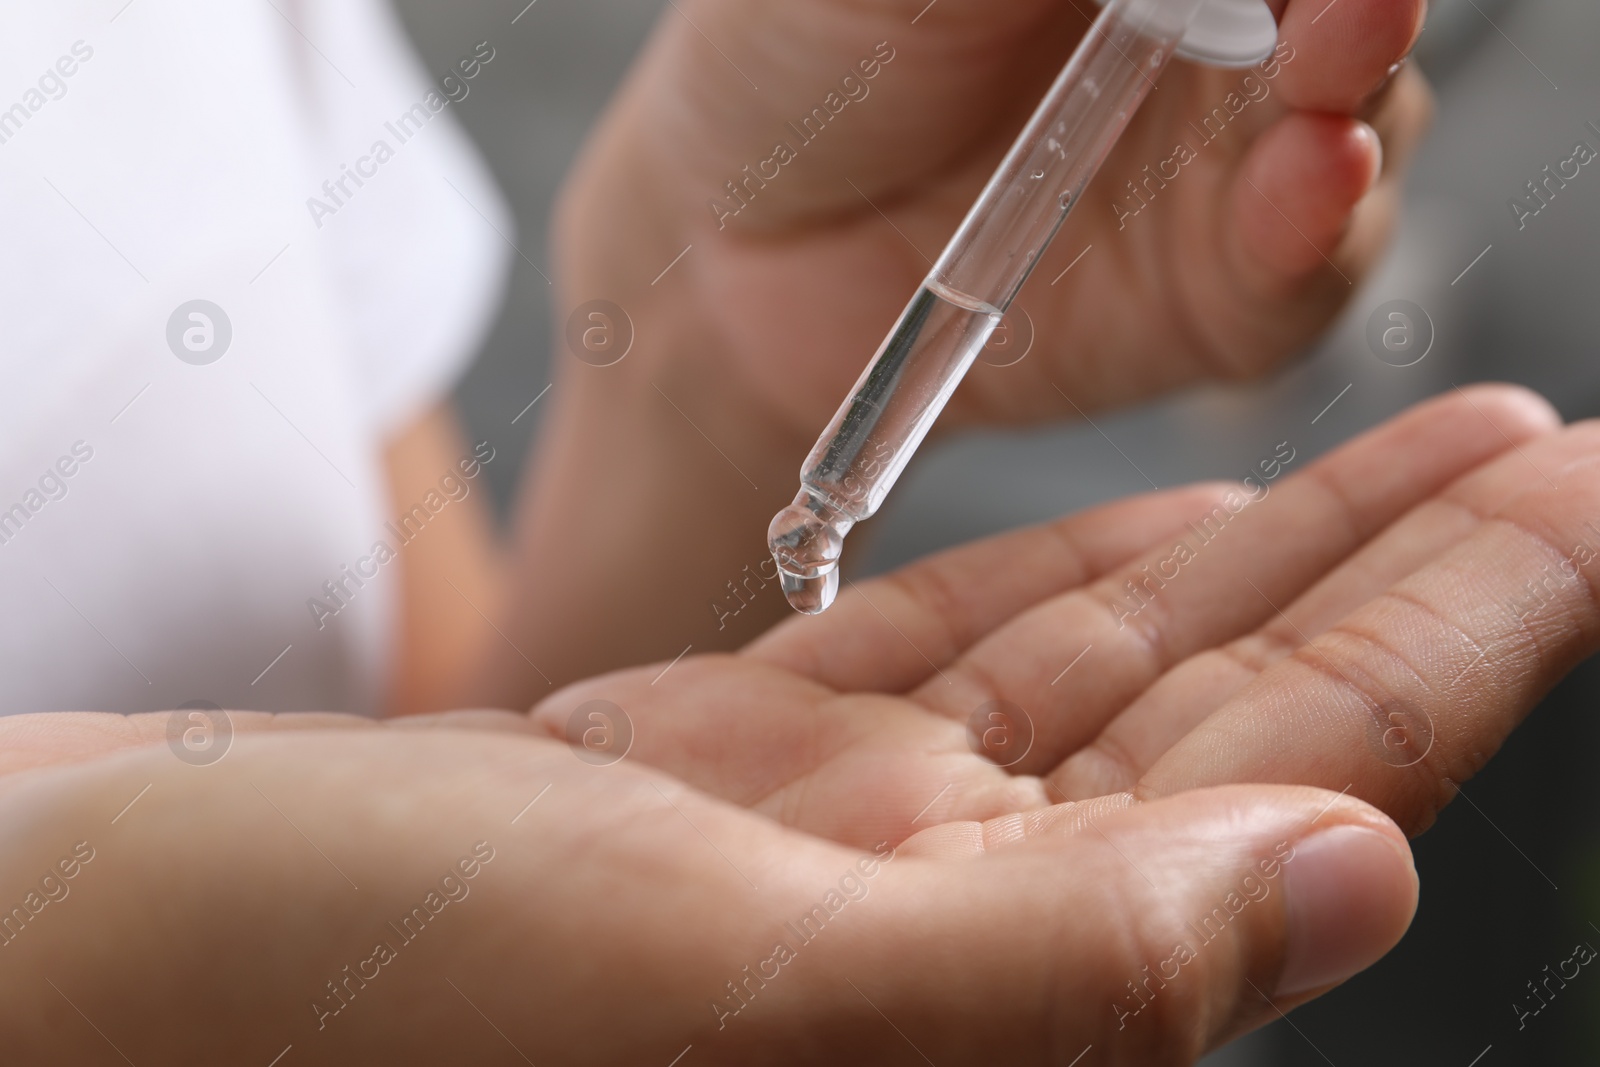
[[810, 596], [806, 540]]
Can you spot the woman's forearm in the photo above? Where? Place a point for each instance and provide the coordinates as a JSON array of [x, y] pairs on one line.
[[642, 524], [367, 896], [645, 533]]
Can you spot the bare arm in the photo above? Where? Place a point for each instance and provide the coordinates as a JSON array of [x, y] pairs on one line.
[[343, 892], [573, 594], [454, 578]]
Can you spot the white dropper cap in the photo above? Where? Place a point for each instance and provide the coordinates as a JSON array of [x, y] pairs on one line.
[[1229, 33]]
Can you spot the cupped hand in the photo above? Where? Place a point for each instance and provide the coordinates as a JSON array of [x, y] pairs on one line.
[[1279, 192], [460, 890], [1373, 624]]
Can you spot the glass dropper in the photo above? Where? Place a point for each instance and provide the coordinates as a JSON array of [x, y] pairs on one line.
[[897, 398]]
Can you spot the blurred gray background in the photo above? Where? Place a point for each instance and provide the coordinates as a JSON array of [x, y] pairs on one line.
[[1517, 81]]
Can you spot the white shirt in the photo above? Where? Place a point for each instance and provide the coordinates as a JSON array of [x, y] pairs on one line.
[[165, 521]]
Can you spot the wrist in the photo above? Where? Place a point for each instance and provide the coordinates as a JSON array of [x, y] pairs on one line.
[[649, 496], [631, 229]]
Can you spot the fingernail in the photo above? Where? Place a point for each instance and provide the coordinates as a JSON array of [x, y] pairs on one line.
[[1374, 99], [1350, 895], [1377, 154]]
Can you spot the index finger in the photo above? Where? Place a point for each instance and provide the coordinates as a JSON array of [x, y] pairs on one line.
[[1344, 49], [891, 633]]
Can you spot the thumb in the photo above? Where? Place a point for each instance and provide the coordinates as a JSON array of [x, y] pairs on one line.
[[1135, 933]]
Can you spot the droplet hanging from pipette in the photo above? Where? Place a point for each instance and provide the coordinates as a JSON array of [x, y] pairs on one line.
[[916, 370], [807, 539]]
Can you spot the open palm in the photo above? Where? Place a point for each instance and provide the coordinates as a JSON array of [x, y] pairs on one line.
[[1434, 578], [1365, 626]]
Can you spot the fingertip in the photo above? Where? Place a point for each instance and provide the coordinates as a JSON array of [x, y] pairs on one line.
[[1348, 49], [1491, 413], [1349, 887], [1514, 410], [1372, 147], [1299, 186], [1350, 895]]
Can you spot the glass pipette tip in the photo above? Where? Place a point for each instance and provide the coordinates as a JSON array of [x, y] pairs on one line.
[[902, 391]]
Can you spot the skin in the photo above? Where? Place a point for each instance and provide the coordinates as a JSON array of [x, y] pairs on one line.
[[1400, 562], [605, 925], [1021, 903], [619, 904], [1236, 265]]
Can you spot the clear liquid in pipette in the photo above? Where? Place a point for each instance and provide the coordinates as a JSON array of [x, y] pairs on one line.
[[873, 436], [980, 272]]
